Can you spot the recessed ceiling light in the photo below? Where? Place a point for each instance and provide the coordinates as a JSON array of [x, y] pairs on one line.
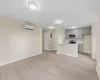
[[33, 5], [51, 27], [73, 27], [58, 21]]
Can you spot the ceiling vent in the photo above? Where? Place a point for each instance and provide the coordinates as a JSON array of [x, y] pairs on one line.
[[29, 26]]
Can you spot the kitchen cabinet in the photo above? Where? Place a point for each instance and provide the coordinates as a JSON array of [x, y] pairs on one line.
[[86, 31], [76, 32]]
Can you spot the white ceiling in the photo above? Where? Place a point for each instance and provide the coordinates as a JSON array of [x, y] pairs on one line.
[[74, 12]]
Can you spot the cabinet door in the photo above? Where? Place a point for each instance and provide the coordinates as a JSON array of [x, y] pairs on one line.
[[86, 31], [68, 32], [76, 32]]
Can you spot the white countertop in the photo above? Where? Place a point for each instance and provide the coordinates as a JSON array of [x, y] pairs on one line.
[[68, 44]]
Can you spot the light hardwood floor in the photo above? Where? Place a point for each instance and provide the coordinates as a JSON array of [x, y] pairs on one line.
[[50, 66]]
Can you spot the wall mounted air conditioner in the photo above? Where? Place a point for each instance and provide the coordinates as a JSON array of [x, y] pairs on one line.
[[29, 26]]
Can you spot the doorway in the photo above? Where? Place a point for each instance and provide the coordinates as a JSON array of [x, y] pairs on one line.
[[49, 40], [45, 40]]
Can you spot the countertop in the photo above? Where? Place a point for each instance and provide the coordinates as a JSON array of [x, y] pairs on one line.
[[68, 44]]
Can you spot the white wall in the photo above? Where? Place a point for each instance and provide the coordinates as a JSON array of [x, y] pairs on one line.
[[96, 43], [61, 36], [17, 43], [94, 40], [51, 43]]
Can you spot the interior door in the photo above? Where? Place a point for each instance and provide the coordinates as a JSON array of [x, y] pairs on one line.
[[45, 40]]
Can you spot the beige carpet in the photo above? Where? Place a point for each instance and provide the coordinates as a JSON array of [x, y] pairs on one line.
[[50, 66]]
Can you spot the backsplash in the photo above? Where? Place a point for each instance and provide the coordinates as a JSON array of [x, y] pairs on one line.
[[78, 41]]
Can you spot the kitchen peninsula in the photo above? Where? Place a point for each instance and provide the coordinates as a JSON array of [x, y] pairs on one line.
[[68, 49]]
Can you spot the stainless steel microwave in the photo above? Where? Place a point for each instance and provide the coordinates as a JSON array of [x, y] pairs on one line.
[[71, 36]]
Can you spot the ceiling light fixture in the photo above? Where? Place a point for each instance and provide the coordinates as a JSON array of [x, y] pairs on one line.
[[51, 27], [33, 5], [73, 27], [58, 21]]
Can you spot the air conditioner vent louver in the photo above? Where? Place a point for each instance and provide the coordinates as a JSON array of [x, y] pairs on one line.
[[29, 26]]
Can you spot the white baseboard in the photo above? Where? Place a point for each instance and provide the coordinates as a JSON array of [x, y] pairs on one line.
[[49, 49], [19, 59], [98, 72], [87, 52], [67, 54], [94, 57]]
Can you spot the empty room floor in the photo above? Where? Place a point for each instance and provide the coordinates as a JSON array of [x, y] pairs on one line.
[[50, 66]]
